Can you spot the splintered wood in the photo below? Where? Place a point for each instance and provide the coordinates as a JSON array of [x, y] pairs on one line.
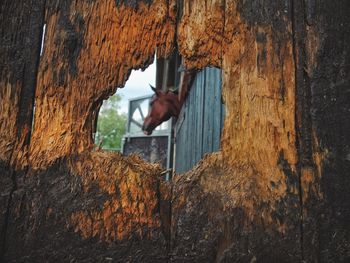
[[90, 50], [278, 189], [259, 94], [130, 206]]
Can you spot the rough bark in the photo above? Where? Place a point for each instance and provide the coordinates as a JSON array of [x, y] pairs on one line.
[[253, 184], [64, 193], [20, 50], [276, 192], [91, 207], [325, 166], [90, 49], [20, 38]]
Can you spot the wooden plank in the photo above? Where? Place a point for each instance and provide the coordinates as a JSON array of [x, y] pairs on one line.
[[223, 112], [180, 142], [199, 132], [205, 115], [187, 137], [192, 126], [210, 110], [208, 120], [196, 150], [194, 123], [216, 108], [200, 109], [185, 152], [179, 130]]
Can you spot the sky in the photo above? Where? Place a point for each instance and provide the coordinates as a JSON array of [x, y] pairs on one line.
[[137, 85]]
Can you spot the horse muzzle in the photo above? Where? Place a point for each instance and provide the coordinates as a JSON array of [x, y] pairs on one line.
[[147, 130]]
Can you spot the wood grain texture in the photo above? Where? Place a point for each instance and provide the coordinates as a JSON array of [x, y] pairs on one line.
[[253, 181], [275, 175], [62, 192], [20, 49], [89, 207], [276, 192], [20, 37], [90, 50]]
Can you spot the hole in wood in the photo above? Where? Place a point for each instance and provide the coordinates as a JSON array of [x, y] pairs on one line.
[[179, 142], [124, 112]]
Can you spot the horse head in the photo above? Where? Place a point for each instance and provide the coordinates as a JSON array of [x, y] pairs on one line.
[[163, 106]]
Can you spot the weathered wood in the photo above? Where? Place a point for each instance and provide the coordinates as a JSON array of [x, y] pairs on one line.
[[81, 65], [90, 207], [20, 39], [21, 35], [255, 181], [278, 189], [324, 80]]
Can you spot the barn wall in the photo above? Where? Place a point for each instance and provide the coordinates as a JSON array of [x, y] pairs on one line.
[[198, 129]]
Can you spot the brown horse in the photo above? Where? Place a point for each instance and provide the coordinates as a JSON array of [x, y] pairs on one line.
[[165, 105]]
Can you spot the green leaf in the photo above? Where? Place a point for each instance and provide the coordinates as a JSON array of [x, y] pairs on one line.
[[111, 124]]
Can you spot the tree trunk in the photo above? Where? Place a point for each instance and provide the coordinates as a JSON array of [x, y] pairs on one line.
[[21, 30], [276, 192]]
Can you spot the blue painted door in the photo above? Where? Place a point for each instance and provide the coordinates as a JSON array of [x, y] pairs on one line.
[[198, 128]]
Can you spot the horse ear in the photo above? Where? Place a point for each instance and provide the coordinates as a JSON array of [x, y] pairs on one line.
[[155, 90]]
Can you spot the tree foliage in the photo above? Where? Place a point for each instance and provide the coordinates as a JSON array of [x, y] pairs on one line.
[[111, 124]]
